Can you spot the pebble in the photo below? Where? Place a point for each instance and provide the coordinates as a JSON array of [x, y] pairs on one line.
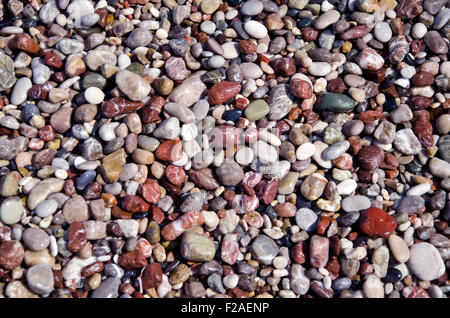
[[264, 249], [40, 279], [11, 210], [36, 239], [425, 261], [255, 29], [306, 219], [195, 247], [302, 144]]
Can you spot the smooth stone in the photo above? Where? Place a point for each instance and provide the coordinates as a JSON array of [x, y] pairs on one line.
[[336, 103], [132, 85], [326, 19], [168, 129], [306, 219], [196, 247], [382, 32], [257, 110], [46, 208], [298, 279], [252, 7], [109, 288], [439, 168], [373, 287], [305, 151], [355, 203], [180, 111], [406, 142], [435, 43], [251, 71], [40, 279], [265, 152], [35, 239], [42, 190], [335, 150], [19, 91], [411, 204], [426, 262], [255, 29], [281, 100], [230, 174], [11, 210], [264, 249], [189, 92], [399, 248]]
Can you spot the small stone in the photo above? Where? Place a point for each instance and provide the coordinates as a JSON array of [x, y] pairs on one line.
[[264, 249], [195, 247], [75, 210], [334, 102], [426, 262], [399, 248], [406, 142], [255, 29], [133, 85], [40, 279], [376, 222], [35, 239], [318, 251]]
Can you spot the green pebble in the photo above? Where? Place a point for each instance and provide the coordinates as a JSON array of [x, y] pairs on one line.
[[336, 103], [332, 135], [257, 110], [153, 233], [136, 67], [287, 184], [93, 80]]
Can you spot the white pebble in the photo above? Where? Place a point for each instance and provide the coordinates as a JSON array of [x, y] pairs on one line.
[[94, 95]]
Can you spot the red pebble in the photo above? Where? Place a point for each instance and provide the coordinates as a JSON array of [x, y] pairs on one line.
[[170, 150], [132, 260], [24, 43], [229, 251], [135, 204], [157, 214], [223, 91], [298, 253], [76, 237], [267, 190], [415, 292], [344, 161], [301, 88], [47, 133], [151, 191], [172, 230], [152, 276], [175, 175], [376, 222], [52, 59]]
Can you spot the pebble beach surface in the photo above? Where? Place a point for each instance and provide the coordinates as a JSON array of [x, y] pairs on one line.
[[224, 149]]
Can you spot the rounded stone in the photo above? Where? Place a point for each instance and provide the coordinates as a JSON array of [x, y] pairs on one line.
[[11, 210], [426, 262], [264, 249], [35, 239], [40, 279]]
